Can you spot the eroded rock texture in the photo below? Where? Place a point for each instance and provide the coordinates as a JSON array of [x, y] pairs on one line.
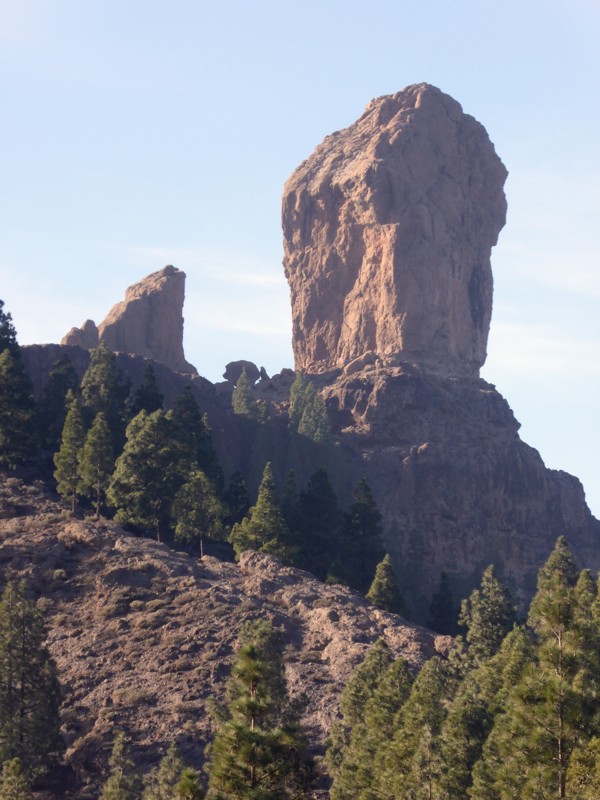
[[148, 323], [388, 228]]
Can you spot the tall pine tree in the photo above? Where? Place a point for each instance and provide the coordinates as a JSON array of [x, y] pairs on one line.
[[96, 462], [147, 396], [123, 782], [66, 460], [105, 388], [319, 521], [29, 688], [362, 547], [488, 616], [17, 412], [8, 334], [384, 592], [148, 474], [52, 405], [197, 511], [259, 751], [264, 528], [530, 745]]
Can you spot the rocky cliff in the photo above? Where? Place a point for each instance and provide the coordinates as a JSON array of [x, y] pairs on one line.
[[388, 228], [148, 322]]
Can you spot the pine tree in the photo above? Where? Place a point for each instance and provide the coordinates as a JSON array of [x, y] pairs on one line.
[[194, 433], [105, 388], [259, 752], [14, 785], [529, 747], [358, 771], [288, 503], [480, 696], [148, 474], [66, 460], [147, 396], [197, 511], [361, 539], [96, 462], [242, 399], [189, 786], [160, 783], [8, 334], [361, 686], [319, 523], [411, 762], [235, 500], [17, 412], [442, 610], [384, 591], [264, 528], [314, 423], [298, 391], [29, 688], [488, 615], [583, 774], [123, 782], [52, 408]]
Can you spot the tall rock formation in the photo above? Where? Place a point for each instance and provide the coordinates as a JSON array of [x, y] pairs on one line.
[[388, 228], [148, 323]]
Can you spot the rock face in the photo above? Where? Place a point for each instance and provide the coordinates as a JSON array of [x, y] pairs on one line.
[[388, 228], [148, 323], [457, 487]]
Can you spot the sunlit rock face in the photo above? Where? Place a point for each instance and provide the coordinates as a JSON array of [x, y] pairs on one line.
[[148, 322], [388, 229]]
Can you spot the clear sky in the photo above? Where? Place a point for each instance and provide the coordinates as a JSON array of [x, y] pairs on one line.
[[139, 133]]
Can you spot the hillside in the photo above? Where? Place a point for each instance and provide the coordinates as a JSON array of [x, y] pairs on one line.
[[144, 635]]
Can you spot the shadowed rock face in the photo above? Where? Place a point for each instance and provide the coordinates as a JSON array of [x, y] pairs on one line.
[[388, 228], [148, 323]]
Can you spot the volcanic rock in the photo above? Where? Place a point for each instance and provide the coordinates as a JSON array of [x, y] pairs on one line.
[[388, 228], [148, 323]]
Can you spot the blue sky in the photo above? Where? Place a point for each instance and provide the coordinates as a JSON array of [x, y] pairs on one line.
[[137, 134]]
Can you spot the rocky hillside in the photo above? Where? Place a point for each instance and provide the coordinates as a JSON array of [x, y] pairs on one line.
[[143, 636]]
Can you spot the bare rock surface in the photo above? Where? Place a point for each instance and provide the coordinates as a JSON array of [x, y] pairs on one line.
[[457, 487], [86, 337], [148, 322], [144, 635], [388, 228]]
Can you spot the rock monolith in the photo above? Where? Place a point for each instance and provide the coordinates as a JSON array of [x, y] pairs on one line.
[[148, 322], [388, 229]]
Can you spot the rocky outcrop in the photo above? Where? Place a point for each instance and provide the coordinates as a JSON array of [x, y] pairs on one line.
[[457, 487], [234, 369], [144, 636], [86, 337], [388, 228], [148, 323]]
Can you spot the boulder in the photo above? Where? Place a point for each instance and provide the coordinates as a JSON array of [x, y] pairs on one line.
[[388, 228]]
